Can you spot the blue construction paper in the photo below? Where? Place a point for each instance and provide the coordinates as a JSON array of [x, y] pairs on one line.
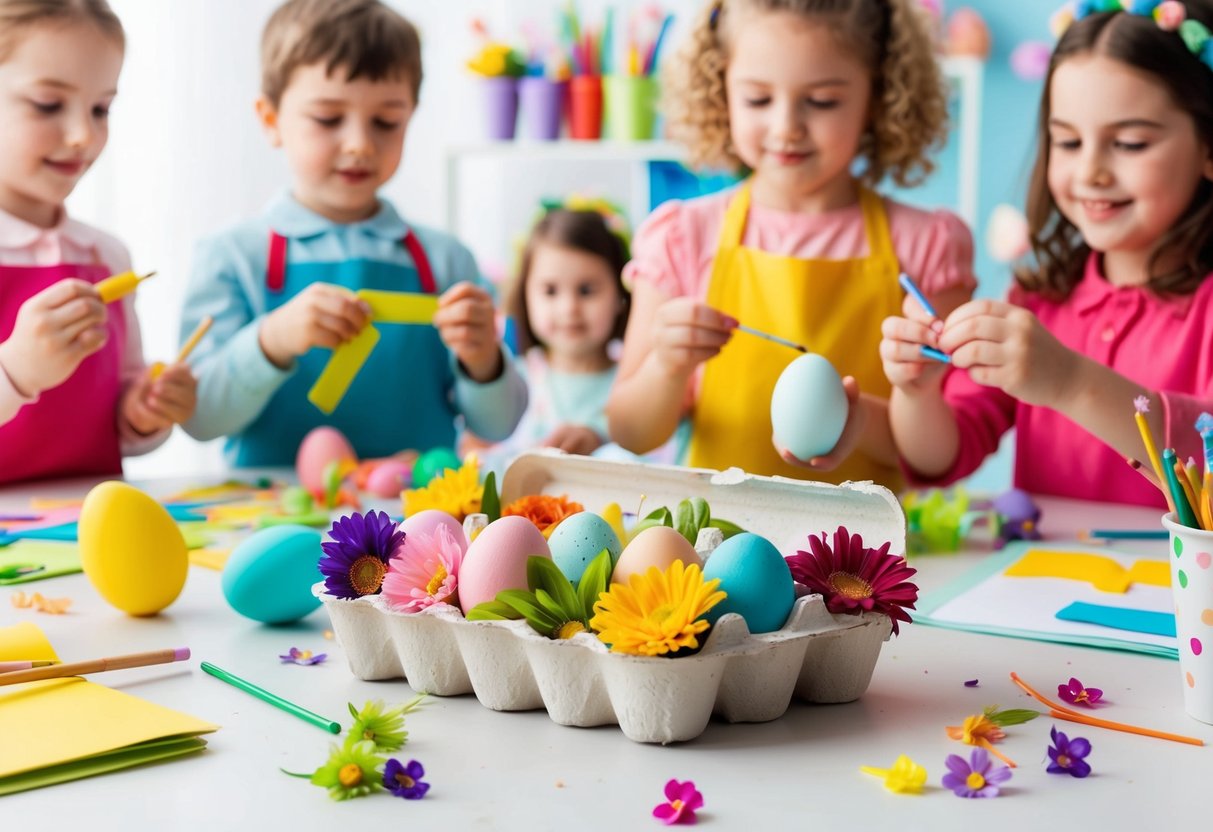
[[1120, 618]]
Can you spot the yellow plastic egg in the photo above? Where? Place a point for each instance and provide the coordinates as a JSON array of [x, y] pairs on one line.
[[131, 549]]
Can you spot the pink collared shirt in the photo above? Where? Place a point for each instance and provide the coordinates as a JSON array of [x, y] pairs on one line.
[[1163, 344], [25, 244]]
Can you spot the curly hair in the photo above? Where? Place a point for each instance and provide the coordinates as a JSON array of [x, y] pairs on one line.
[[585, 231], [1059, 252], [909, 116]]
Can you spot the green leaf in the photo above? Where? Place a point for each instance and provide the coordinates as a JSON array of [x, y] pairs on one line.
[[550, 604], [490, 503], [727, 529], [689, 517], [1011, 716], [594, 582], [491, 611], [538, 617], [543, 573]]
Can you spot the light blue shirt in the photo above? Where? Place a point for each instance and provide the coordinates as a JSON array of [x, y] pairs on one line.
[[410, 394]]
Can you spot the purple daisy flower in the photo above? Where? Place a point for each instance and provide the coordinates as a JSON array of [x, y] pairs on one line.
[[297, 656], [356, 555], [405, 780], [682, 799], [1067, 755], [1076, 694], [975, 777]]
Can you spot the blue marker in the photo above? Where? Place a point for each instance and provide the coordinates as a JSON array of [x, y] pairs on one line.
[[912, 289], [937, 355]]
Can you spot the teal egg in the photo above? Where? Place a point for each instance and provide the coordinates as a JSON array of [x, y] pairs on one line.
[[578, 540], [269, 576], [432, 463], [756, 579]]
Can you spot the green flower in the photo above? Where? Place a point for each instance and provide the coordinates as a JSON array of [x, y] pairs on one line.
[[383, 729], [352, 770]]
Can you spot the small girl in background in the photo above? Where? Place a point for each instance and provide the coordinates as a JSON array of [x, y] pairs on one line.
[[1119, 304], [568, 304], [819, 101], [75, 394]]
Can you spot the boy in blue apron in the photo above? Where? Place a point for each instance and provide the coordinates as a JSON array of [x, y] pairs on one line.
[[340, 82]]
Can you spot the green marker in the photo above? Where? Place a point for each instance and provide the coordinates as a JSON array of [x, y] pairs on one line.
[[276, 701]]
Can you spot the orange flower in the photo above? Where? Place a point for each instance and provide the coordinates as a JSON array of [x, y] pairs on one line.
[[544, 510], [980, 731]]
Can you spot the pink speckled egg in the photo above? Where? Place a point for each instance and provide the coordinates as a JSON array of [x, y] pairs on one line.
[[656, 546], [388, 478], [320, 447], [496, 560], [427, 523]]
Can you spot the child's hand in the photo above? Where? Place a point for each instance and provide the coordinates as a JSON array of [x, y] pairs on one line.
[[1005, 346], [55, 330], [848, 441], [901, 349], [687, 333], [322, 315], [150, 406], [467, 325], [574, 439]]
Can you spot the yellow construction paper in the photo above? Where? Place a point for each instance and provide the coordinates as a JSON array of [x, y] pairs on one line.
[[1102, 572], [400, 307], [339, 373], [210, 558], [61, 720]]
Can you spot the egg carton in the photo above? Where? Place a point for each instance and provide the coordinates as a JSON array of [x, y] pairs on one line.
[[739, 676]]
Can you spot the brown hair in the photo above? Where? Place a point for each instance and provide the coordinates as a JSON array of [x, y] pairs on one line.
[[581, 230], [909, 101], [363, 37], [1136, 40], [17, 15]]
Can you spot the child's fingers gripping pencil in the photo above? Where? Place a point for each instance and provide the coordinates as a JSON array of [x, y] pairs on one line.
[[195, 337], [120, 285], [913, 291]]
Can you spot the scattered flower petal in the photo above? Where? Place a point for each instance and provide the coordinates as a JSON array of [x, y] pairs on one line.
[[682, 799], [405, 780], [1067, 756], [304, 657], [972, 683], [905, 777], [976, 777], [1076, 694], [980, 731]]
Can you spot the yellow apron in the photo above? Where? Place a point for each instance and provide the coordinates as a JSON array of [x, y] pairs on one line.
[[833, 307]]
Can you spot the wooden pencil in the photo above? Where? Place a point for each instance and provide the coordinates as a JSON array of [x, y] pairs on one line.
[[95, 666]]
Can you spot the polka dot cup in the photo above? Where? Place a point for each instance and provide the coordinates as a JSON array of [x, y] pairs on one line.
[[1191, 556]]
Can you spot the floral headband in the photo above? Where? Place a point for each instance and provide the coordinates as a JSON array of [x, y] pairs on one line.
[[1171, 16]]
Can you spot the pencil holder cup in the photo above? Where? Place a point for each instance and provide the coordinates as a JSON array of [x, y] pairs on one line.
[[585, 107], [500, 106], [1191, 556], [630, 106], [540, 103]]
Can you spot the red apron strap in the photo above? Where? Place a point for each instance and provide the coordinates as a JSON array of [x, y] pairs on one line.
[[275, 268], [424, 273]]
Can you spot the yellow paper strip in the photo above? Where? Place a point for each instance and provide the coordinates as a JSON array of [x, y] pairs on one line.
[[209, 558], [400, 307], [1103, 573], [338, 374]]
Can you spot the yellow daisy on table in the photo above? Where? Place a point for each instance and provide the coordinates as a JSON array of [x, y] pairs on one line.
[[656, 613], [456, 491]]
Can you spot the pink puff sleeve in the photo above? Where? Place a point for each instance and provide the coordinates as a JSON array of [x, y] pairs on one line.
[[935, 248], [662, 254]]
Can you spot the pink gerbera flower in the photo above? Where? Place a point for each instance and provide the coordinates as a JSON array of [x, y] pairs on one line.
[[854, 578], [424, 572]]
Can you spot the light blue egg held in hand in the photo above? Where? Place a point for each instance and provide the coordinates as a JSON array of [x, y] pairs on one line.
[[578, 540], [809, 407], [755, 578]]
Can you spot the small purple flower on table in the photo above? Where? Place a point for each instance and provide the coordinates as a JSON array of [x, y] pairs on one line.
[[1068, 756], [977, 776], [1076, 694], [405, 780], [305, 657]]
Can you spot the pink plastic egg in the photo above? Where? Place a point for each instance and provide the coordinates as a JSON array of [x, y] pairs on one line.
[[320, 447], [496, 560], [427, 522], [388, 478], [656, 546]]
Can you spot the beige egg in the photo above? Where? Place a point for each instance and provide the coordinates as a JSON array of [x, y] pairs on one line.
[[656, 546]]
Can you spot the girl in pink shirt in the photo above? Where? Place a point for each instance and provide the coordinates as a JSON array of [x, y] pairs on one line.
[[818, 102], [74, 392], [1119, 303]]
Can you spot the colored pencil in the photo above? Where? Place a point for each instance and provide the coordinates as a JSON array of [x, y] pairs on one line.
[[1184, 513], [9, 667], [912, 289], [1206, 502], [934, 354], [1141, 405], [277, 701], [1124, 534], [57, 671], [772, 338], [1186, 485], [655, 52], [197, 335], [1144, 471]]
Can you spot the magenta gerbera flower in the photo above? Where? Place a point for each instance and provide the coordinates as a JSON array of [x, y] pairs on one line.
[[424, 572], [682, 799], [1076, 694], [977, 776], [1067, 755], [854, 578], [357, 554], [405, 780]]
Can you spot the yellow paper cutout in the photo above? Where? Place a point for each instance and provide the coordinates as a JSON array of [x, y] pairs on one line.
[[339, 373], [209, 558], [25, 641], [1102, 572], [400, 307]]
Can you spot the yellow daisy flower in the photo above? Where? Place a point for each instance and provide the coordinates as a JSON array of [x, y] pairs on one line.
[[657, 612], [457, 492]]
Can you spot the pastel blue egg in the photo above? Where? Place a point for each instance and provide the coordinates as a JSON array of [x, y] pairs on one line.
[[809, 407], [756, 579], [269, 576], [578, 540]]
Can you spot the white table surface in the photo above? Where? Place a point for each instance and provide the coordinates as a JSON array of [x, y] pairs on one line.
[[493, 770]]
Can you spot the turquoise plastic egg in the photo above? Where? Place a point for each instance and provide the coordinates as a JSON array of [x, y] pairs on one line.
[[809, 407], [756, 579], [269, 576], [578, 540], [432, 463]]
